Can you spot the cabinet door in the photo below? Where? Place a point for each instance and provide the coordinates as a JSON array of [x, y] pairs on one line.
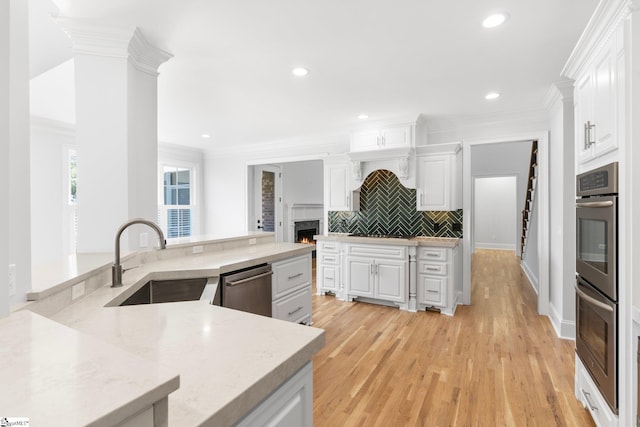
[[435, 183], [397, 136], [583, 109], [360, 277], [337, 187], [432, 290], [391, 280], [604, 102], [365, 140]]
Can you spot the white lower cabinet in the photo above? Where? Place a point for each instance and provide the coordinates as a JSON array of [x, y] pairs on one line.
[[291, 289], [291, 405], [328, 268], [439, 278], [587, 393], [378, 272]]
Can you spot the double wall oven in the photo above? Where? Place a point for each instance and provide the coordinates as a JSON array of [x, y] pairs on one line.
[[596, 278]]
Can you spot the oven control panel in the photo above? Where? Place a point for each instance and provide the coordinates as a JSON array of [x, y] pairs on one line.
[[599, 181]]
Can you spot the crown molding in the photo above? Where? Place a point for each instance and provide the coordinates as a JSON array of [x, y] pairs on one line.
[[603, 22], [92, 38], [559, 91]]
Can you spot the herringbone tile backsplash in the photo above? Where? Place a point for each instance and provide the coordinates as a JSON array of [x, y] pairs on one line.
[[388, 207]]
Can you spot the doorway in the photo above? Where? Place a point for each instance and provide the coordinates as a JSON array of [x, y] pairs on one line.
[[495, 212], [267, 200]]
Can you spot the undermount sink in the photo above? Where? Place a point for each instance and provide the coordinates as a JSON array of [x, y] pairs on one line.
[[159, 291]]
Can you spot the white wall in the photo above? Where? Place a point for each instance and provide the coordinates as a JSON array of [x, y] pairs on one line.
[[50, 226], [302, 182], [495, 212], [5, 108], [562, 252]]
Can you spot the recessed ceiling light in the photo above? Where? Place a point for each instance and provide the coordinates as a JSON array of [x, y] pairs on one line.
[[206, 135], [300, 71], [363, 117], [492, 95], [494, 20]]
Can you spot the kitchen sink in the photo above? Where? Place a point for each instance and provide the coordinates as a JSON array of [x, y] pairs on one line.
[[159, 291]]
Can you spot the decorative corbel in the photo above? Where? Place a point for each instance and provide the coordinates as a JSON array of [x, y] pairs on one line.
[[403, 167], [356, 168]]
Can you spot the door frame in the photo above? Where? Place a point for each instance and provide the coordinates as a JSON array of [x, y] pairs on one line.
[[255, 198], [542, 198]]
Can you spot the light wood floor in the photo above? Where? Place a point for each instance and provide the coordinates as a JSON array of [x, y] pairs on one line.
[[495, 363]]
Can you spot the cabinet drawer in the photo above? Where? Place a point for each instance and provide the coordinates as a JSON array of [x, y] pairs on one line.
[[291, 274], [293, 308], [432, 254], [432, 290], [328, 247], [328, 278], [389, 252], [436, 268], [329, 259]]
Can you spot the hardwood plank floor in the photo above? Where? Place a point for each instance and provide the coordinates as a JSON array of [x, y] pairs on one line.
[[495, 363]]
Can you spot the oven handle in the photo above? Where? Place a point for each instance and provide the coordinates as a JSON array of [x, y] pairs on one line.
[[606, 204], [592, 300]]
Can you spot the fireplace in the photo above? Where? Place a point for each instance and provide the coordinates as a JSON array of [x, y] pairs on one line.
[[303, 231]]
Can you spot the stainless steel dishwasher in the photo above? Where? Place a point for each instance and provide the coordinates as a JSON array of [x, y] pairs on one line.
[[248, 290]]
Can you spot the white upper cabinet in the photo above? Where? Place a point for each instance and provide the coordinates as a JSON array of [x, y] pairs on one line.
[[597, 110], [381, 138], [439, 179], [338, 193]]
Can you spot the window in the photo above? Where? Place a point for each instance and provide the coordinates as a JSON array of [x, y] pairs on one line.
[[176, 210]]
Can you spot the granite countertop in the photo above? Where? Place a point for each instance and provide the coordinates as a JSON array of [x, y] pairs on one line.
[[446, 242], [51, 369]]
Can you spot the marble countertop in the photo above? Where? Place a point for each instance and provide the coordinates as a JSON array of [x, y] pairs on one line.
[[446, 242], [52, 372], [228, 360]]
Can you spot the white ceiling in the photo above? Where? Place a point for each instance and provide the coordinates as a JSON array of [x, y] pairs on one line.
[[230, 75]]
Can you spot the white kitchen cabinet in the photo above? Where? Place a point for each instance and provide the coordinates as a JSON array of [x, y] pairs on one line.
[[597, 108], [328, 268], [338, 193], [289, 406], [439, 180], [291, 289], [439, 277], [378, 272], [382, 138], [588, 394]]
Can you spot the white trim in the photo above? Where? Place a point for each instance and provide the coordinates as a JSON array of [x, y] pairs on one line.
[[535, 285], [564, 329], [543, 213]]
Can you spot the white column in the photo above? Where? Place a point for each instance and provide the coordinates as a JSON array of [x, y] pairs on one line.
[[116, 130], [15, 246]]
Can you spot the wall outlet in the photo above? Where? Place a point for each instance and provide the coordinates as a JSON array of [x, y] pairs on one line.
[[77, 291], [197, 249], [252, 241], [144, 240], [13, 287]]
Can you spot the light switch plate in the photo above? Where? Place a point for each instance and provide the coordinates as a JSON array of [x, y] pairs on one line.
[[197, 249], [252, 241]]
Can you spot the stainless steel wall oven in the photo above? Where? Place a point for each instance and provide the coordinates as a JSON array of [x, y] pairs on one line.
[[596, 278]]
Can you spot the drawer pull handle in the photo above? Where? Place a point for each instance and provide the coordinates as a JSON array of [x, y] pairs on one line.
[[433, 268], [431, 254], [295, 276], [329, 278], [432, 291], [587, 398], [329, 258], [296, 310]]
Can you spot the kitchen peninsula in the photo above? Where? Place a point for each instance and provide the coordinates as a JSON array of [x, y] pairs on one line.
[[232, 367]]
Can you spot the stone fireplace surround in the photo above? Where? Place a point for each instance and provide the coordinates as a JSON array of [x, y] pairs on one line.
[[304, 216]]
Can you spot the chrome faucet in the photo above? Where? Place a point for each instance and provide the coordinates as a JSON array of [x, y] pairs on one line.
[[116, 269]]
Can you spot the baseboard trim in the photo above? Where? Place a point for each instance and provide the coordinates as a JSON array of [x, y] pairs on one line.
[[530, 277], [565, 329]]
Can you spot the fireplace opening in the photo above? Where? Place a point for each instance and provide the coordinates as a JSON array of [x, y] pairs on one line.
[[304, 231]]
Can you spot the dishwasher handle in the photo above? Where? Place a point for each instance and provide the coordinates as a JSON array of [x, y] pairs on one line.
[[248, 279]]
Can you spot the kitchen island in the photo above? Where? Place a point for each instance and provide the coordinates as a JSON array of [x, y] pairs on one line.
[[230, 364]]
